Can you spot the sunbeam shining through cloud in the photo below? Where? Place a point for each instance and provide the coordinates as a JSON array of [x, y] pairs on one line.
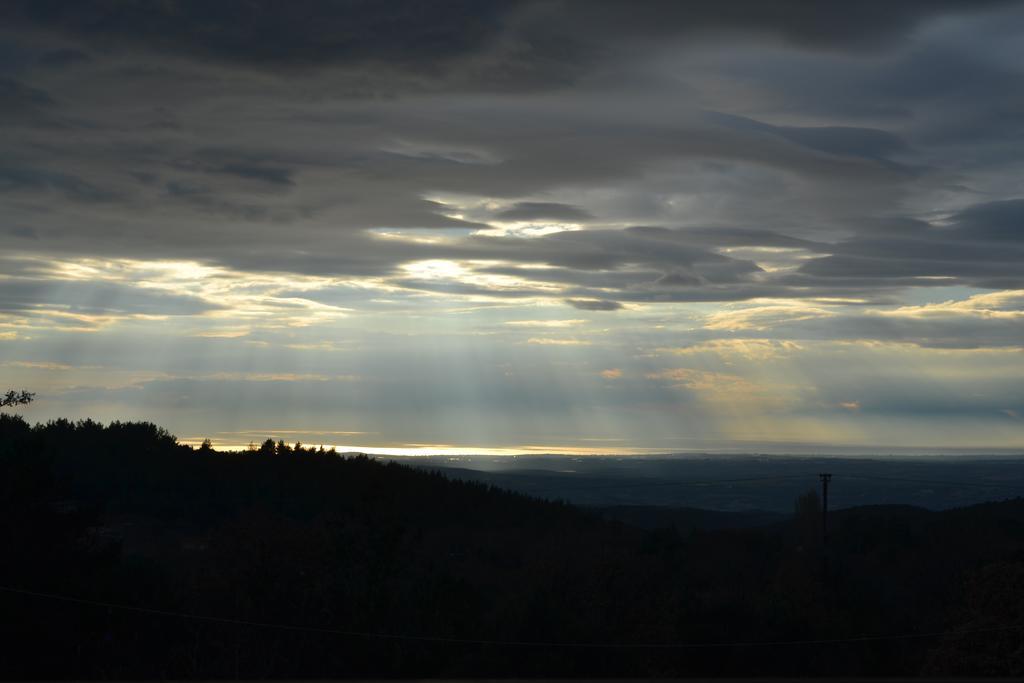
[[576, 228]]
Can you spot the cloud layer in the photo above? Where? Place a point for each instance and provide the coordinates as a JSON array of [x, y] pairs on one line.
[[321, 177]]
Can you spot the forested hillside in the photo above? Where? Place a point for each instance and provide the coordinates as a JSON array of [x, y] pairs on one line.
[[130, 555]]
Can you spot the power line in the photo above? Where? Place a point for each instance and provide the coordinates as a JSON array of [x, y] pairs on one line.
[[645, 484], [810, 476], [507, 643], [938, 482]]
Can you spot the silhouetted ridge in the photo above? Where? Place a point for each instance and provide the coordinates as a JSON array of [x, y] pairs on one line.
[[161, 560]]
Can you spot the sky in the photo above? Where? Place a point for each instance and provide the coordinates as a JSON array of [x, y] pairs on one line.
[[518, 226]]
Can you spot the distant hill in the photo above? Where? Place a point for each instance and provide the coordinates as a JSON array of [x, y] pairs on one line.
[[133, 556], [686, 520], [742, 483]]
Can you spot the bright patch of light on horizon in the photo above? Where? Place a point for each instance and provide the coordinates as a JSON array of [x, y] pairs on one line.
[[527, 228], [435, 269], [771, 259], [424, 450], [442, 270]]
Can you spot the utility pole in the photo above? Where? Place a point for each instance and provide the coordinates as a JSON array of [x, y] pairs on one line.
[[825, 479]]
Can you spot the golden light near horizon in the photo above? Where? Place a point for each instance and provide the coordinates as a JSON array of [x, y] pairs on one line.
[[519, 337], [509, 250], [748, 389]]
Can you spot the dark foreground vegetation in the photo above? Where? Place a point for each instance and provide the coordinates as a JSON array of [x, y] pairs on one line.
[[129, 555]]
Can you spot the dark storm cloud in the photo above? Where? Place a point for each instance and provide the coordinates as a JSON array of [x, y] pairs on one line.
[[645, 266], [182, 151], [22, 104], [727, 236], [816, 24], [94, 298], [985, 242], [528, 211], [24, 231], [15, 95], [594, 304], [606, 250], [969, 96], [1001, 222], [268, 174], [62, 58], [912, 265], [13, 180], [416, 32], [308, 32], [328, 181], [202, 163], [243, 163], [349, 186], [867, 143], [677, 279]]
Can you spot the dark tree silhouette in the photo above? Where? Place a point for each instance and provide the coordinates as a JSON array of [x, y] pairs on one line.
[[16, 398], [133, 535]]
